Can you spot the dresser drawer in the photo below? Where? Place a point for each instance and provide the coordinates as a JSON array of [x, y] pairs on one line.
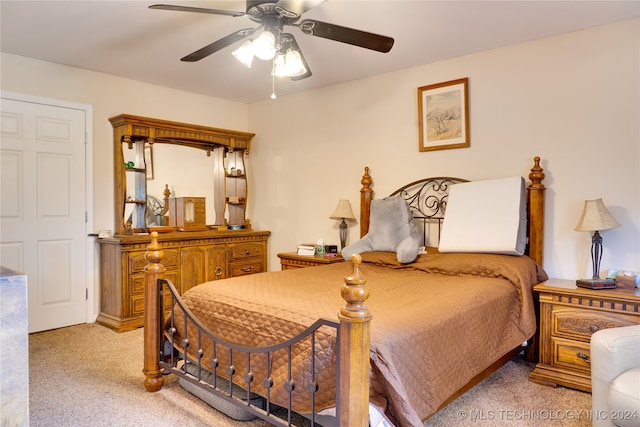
[[137, 304], [137, 262], [245, 250], [247, 267], [136, 292], [571, 354], [581, 323]]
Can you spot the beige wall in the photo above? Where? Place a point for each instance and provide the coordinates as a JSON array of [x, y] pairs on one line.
[[573, 100]]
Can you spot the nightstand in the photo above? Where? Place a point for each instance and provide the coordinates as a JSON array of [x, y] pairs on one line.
[[568, 316], [290, 260]]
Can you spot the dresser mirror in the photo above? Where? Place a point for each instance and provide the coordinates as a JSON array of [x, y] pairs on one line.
[[195, 179], [154, 155]]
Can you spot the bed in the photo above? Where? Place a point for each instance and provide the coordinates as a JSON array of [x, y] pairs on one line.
[[341, 343]]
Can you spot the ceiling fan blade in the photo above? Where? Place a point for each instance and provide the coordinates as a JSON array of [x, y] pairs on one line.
[[196, 9], [346, 35], [218, 45], [295, 8], [294, 45]]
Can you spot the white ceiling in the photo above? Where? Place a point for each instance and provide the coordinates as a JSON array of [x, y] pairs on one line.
[[127, 39]]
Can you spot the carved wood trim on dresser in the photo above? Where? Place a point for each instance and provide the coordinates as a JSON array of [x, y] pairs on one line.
[[569, 315]]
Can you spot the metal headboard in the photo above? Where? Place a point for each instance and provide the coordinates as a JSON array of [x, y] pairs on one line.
[[427, 199]]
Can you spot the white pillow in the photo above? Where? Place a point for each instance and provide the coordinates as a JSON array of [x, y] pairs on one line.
[[486, 217]]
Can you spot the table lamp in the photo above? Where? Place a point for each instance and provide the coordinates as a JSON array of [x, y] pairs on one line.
[[343, 212], [596, 217]]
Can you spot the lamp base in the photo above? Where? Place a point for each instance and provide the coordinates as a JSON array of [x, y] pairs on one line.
[[596, 283]]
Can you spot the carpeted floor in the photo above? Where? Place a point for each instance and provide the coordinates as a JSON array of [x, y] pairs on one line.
[[88, 375]]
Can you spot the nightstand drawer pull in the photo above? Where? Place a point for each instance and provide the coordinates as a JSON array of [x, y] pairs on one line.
[[583, 356], [218, 271], [247, 269], [594, 328]]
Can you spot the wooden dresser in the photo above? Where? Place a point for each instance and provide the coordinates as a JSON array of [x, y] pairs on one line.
[[190, 258], [199, 252], [569, 315]]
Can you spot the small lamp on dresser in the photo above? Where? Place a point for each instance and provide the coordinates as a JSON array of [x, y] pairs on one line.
[[343, 212], [595, 217]]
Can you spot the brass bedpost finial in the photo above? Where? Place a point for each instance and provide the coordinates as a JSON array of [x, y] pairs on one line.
[[366, 178], [355, 292], [537, 175]]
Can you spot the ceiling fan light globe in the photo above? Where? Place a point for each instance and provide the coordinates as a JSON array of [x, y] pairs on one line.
[[244, 54], [264, 46], [279, 66], [294, 65]]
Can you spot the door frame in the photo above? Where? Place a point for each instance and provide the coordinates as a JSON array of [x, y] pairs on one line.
[[92, 307]]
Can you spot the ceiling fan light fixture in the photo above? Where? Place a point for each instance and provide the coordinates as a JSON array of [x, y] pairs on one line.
[[264, 47], [279, 66], [293, 64], [244, 54]]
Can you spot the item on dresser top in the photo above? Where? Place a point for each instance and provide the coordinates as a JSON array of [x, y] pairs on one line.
[[330, 249], [596, 284], [308, 249], [188, 213]]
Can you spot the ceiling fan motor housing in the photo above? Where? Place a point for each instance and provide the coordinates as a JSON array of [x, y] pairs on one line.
[[258, 9]]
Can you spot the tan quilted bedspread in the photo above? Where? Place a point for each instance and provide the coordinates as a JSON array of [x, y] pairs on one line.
[[436, 324]]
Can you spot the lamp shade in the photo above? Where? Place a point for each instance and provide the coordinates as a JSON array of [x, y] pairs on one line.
[[596, 217], [343, 210]]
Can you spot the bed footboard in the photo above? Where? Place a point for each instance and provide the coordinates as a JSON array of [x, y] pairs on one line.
[[352, 350]]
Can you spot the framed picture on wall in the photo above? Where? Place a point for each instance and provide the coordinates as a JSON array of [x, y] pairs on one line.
[[443, 115]]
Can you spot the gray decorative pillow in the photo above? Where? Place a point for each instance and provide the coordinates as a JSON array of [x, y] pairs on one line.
[[391, 229]]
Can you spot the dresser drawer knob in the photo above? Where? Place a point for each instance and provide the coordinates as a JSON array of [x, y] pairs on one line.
[[594, 328], [248, 252], [218, 271], [583, 356]]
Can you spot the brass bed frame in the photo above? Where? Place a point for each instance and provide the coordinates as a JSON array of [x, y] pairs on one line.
[[352, 330]]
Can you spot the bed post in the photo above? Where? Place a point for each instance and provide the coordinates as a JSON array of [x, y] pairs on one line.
[[366, 194], [154, 270], [353, 408], [535, 193]]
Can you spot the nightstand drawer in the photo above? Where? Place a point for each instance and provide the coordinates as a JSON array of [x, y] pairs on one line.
[[581, 324], [571, 354]]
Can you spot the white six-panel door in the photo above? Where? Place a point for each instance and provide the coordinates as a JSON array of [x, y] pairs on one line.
[[42, 210]]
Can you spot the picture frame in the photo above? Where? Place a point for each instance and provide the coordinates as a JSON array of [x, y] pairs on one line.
[[443, 115], [148, 161]]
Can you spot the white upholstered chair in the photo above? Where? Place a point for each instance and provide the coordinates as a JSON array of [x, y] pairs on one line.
[[615, 376]]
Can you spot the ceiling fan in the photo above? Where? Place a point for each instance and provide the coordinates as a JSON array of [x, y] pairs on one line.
[[273, 43]]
